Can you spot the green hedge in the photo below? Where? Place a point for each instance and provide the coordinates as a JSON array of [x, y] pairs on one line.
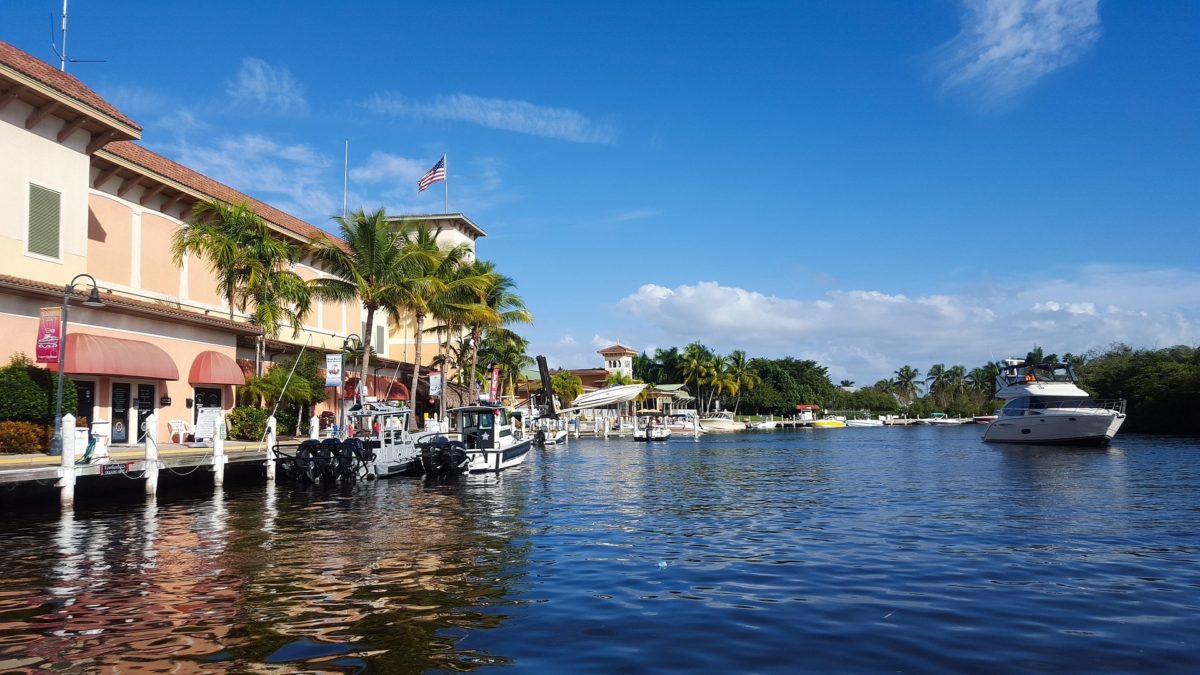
[[27, 392], [247, 423]]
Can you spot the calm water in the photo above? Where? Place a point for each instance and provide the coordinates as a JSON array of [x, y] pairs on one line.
[[852, 550]]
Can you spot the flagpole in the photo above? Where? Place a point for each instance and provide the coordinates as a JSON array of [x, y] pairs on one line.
[[446, 168], [345, 178]]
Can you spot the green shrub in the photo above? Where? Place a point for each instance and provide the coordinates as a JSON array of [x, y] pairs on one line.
[[19, 438], [27, 392], [286, 422], [247, 424]]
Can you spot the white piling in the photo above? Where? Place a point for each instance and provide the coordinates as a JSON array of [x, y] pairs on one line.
[[219, 452], [151, 471], [271, 449], [66, 481], [314, 427]]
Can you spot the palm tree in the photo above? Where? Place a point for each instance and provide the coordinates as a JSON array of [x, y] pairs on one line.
[[457, 302], [372, 265], [935, 381], [252, 266], [956, 383], [907, 383], [717, 379], [846, 383], [506, 308], [741, 376], [431, 266], [695, 365], [567, 387], [505, 350]]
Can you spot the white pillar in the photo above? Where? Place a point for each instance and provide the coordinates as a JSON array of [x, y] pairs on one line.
[[314, 427], [66, 481], [151, 471], [271, 449], [219, 451]]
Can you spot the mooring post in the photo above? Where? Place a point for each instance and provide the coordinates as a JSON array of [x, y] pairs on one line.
[[151, 470], [606, 426], [66, 481], [271, 449], [219, 451], [314, 427]]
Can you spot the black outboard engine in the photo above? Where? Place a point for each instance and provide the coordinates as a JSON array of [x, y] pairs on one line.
[[443, 458], [325, 460], [539, 439]]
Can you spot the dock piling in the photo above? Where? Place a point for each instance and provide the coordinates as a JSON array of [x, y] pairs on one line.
[[314, 427], [219, 452], [151, 470], [270, 438], [66, 481]]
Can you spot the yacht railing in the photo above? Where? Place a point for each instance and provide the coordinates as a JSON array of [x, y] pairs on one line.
[[1086, 406]]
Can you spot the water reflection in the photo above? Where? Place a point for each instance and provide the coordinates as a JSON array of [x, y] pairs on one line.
[[393, 573]]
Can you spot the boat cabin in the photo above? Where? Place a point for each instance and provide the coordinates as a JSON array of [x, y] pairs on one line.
[[1016, 372], [483, 426]]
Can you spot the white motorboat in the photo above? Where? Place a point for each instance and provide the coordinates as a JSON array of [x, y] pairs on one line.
[[381, 447], [765, 425], [488, 436], [650, 426], [720, 421], [608, 396], [864, 423], [1044, 404]]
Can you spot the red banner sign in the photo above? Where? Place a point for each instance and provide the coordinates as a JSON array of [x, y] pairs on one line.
[[494, 394], [48, 336]]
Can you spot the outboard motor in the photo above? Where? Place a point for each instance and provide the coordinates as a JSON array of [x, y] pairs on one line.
[[325, 459], [452, 459], [429, 454], [539, 439]]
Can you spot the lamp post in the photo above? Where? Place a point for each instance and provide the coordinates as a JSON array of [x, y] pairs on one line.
[[93, 300], [348, 344]]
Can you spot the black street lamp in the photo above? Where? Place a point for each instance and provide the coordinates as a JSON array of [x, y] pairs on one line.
[[93, 300]]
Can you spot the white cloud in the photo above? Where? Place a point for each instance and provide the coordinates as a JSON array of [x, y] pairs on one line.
[[1005, 46], [290, 177], [636, 214], [498, 113], [383, 167], [134, 100], [865, 335], [265, 87]]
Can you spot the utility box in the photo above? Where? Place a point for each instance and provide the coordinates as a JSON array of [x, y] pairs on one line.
[[100, 431]]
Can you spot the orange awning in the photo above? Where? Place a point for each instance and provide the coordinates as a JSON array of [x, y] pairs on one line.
[[100, 355], [215, 368]]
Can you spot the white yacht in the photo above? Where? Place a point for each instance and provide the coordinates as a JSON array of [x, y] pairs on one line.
[[722, 420], [1044, 404], [650, 426]]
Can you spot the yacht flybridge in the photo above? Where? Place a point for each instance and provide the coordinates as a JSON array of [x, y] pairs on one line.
[[1044, 404]]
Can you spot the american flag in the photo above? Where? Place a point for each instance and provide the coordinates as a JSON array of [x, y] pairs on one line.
[[438, 172]]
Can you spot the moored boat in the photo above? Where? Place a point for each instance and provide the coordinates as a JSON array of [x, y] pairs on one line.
[[650, 426], [720, 421], [1044, 404], [488, 437]]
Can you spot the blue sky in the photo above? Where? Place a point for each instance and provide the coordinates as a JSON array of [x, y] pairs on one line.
[[868, 184]]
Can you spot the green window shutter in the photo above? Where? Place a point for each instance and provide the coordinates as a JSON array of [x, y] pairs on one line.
[[45, 211], [380, 336]]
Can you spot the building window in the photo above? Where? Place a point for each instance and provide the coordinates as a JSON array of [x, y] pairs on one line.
[[45, 215], [380, 336]]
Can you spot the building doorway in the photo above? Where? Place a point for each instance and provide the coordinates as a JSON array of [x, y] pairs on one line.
[[120, 412], [85, 394], [145, 405], [206, 397]]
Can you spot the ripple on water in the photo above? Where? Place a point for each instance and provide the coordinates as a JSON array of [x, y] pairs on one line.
[[900, 549]]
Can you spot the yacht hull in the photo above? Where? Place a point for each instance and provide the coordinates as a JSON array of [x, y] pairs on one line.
[[1065, 427], [498, 459]]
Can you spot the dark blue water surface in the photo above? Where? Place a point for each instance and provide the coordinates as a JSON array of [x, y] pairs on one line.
[[848, 550]]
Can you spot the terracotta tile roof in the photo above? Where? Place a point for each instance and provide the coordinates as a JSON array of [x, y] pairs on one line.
[[617, 349], [59, 81], [132, 305], [179, 173]]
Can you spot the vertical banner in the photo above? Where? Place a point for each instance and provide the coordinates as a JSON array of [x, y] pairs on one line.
[[333, 370], [494, 394], [49, 332], [435, 384]]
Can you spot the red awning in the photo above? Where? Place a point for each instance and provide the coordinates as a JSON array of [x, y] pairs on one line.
[[99, 355], [807, 406], [398, 392], [215, 368]]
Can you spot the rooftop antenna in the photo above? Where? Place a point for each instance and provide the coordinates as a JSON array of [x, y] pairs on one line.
[[63, 60]]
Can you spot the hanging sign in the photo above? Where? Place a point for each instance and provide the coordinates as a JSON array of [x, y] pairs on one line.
[[49, 334], [493, 394], [333, 370], [435, 384]]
